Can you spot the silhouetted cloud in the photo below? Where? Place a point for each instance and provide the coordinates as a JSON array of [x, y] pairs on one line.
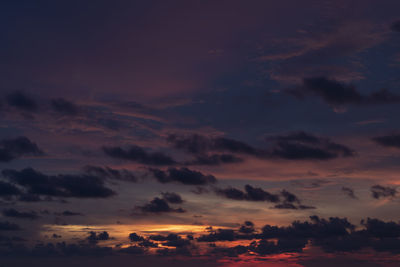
[[214, 159], [20, 215], [247, 228], [8, 226], [11, 149], [159, 205], [110, 173], [64, 107], [133, 237], [172, 198], [183, 175], [395, 26], [7, 189], [250, 194], [392, 140], [21, 101], [70, 213], [198, 144], [138, 154], [379, 191], [62, 185], [95, 237], [339, 94], [304, 146], [349, 192]]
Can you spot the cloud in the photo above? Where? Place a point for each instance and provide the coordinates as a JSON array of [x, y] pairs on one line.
[[304, 146], [19, 215], [7, 189], [349, 192], [95, 237], [159, 205], [250, 194], [379, 191], [339, 94], [8, 226], [61, 185], [70, 213], [11, 149], [198, 144], [110, 173], [291, 206], [392, 140], [215, 159], [64, 107], [138, 154], [294, 146], [183, 176], [133, 237], [172, 198], [21, 101], [395, 26]]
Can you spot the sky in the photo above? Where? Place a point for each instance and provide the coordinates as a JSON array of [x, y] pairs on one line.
[[210, 133]]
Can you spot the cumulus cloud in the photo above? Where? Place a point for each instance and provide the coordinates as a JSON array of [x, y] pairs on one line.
[[11, 149], [293, 146], [171, 197], [61, 185], [183, 176], [110, 173], [349, 192], [138, 154], [21, 101], [20, 215], [64, 107], [395, 26], [379, 191], [392, 140], [159, 205], [305, 146], [339, 94]]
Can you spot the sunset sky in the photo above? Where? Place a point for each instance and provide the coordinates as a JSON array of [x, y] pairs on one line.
[[200, 133]]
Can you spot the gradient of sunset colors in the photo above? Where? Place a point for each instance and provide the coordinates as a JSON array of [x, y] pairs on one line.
[[201, 133]]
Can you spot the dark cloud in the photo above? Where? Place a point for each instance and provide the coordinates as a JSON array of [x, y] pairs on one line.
[[7, 189], [183, 175], [64, 107], [247, 228], [138, 154], [8, 226], [11, 149], [21, 101], [250, 193], [395, 26], [215, 159], [338, 94], [349, 192], [379, 191], [95, 237], [70, 213], [29, 198], [380, 229], [198, 144], [304, 146], [62, 185], [110, 173], [392, 140], [159, 205], [317, 228], [20, 215], [291, 206], [172, 198], [133, 237]]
